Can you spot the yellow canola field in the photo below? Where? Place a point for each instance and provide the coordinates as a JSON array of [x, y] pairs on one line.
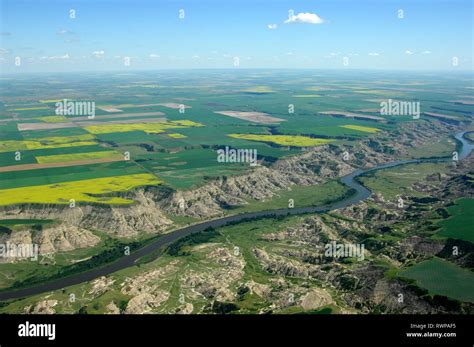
[[62, 193], [31, 108], [149, 128], [360, 128], [283, 140], [317, 89], [388, 93], [54, 119], [61, 158], [259, 89], [47, 142], [49, 101], [177, 136]]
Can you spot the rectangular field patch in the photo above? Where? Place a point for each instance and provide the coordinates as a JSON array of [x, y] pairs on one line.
[[81, 191], [255, 117], [76, 156]]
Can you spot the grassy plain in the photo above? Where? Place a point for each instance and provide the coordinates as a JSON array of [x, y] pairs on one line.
[[398, 181]]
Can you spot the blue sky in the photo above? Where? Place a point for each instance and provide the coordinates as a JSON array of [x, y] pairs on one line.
[[333, 34]]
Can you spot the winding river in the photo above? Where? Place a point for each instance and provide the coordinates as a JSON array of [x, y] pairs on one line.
[[360, 193]]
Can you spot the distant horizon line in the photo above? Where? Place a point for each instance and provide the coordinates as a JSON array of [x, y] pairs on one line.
[[469, 71]]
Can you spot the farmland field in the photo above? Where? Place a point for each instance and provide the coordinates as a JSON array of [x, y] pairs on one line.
[[179, 149], [89, 190], [283, 140], [459, 224], [445, 278], [75, 156]]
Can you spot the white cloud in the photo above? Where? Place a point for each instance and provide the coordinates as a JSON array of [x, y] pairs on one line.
[[310, 18], [426, 52], [195, 56], [289, 53], [154, 56], [332, 55], [73, 40], [374, 54], [98, 54], [408, 52], [64, 32], [272, 26], [56, 57], [353, 54]]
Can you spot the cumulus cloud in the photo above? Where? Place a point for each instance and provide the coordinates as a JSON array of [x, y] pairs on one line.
[[426, 52], [310, 18], [408, 52], [272, 26], [332, 55], [73, 40], [56, 57], [98, 54], [374, 54], [154, 56], [64, 32]]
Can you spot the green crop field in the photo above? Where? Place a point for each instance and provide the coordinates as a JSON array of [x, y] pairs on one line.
[[460, 224], [444, 278]]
